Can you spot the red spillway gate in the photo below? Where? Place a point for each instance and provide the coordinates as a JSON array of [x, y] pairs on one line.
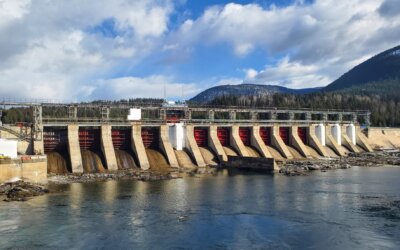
[[284, 134], [302, 132], [265, 134], [89, 139], [223, 136], [55, 140], [121, 138], [151, 137], [201, 136], [245, 136]]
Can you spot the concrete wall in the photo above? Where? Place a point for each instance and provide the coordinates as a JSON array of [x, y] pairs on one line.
[[384, 138], [258, 143], [362, 140], [278, 143], [74, 149], [315, 142], [33, 170], [108, 148], [138, 146], [192, 146], [296, 142], [347, 141], [176, 135], [38, 145], [237, 143], [330, 141], [215, 144], [166, 147]]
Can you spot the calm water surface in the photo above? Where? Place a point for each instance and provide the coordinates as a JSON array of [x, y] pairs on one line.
[[357, 208]]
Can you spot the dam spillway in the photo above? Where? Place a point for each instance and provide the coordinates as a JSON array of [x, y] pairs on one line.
[[177, 136]]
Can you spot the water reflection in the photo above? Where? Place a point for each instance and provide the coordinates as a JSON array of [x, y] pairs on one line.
[[340, 209]]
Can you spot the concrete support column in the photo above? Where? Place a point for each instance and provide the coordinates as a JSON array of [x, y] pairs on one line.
[[320, 133], [232, 115], [308, 116], [254, 116], [138, 147], [166, 147], [257, 142], [296, 142], [215, 144], [362, 140], [274, 116], [38, 145], [279, 144], [177, 136], [348, 141], [332, 142], [337, 133], [340, 117], [74, 149], [314, 139], [211, 114], [324, 117], [237, 143], [351, 133], [188, 114], [108, 148], [291, 116], [192, 146]]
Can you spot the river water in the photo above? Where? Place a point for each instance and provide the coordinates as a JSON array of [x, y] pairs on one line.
[[357, 208]]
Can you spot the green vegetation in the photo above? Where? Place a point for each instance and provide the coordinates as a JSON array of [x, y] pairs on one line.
[[381, 98]]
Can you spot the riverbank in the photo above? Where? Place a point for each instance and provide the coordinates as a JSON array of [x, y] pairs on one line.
[[373, 159]]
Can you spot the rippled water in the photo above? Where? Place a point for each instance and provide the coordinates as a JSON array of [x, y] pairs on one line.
[[357, 208]]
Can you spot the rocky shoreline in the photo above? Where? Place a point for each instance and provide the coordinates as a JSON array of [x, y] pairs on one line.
[[21, 190], [374, 159]]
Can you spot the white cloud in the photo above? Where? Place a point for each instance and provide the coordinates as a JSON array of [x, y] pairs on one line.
[[54, 50], [150, 87], [327, 36]]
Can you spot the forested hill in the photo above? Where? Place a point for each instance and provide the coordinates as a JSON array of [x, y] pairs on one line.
[[372, 85], [380, 68], [246, 90]]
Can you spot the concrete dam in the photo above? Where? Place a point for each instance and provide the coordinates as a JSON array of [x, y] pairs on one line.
[[95, 138]]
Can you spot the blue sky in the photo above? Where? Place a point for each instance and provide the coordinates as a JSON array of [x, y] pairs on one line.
[[113, 49]]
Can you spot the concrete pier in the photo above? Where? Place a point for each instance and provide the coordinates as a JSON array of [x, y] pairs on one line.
[[107, 148], [38, 145], [362, 140], [74, 149], [279, 144], [347, 141], [166, 147], [296, 142], [138, 147], [331, 141], [257, 142], [215, 144], [237, 143], [192, 146], [315, 142]]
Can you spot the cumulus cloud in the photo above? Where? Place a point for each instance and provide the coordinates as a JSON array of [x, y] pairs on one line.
[[327, 36], [56, 49], [73, 49], [152, 87]]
